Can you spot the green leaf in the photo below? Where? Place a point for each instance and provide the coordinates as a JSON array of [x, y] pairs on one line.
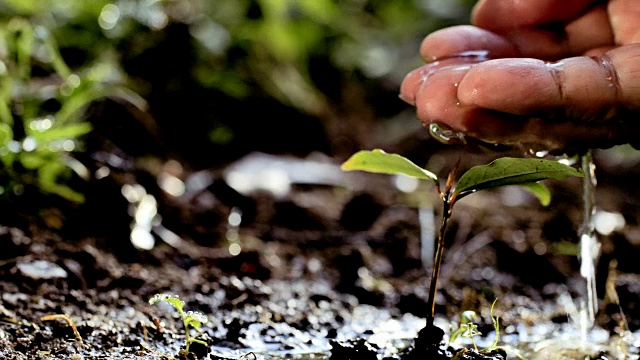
[[378, 161], [540, 191], [48, 173], [511, 171], [468, 316], [6, 134], [71, 131], [195, 319], [174, 300], [323, 11], [34, 160]]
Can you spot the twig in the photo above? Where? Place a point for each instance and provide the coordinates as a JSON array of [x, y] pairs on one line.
[[68, 320]]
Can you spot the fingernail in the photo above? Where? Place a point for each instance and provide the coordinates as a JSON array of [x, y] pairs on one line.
[[408, 100]]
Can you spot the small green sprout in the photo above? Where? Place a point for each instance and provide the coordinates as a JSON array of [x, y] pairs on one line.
[[190, 318], [469, 329]]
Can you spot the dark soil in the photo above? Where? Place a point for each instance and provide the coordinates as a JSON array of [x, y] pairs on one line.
[[329, 267]]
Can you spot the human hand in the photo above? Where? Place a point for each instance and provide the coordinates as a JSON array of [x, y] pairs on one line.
[[549, 74]]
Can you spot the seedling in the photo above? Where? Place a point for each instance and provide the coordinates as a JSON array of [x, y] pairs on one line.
[[524, 172], [190, 318], [468, 328]]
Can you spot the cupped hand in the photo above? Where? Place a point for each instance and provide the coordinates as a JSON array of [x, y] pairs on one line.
[[553, 74]]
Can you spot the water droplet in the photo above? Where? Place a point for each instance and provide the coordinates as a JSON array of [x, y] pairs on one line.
[[534, 150], [541, 154], [476, 55], [446, 135]]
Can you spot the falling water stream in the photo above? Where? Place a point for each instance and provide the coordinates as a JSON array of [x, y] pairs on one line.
[[589, 246]]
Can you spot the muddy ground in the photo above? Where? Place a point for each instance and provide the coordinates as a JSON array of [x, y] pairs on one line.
[[305, 261]]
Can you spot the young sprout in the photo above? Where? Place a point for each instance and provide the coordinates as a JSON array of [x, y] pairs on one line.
[[468, 328], [190, 318], [524, 172]]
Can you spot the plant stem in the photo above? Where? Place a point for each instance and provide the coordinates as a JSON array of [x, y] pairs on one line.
[[183, 316], [437, 262]]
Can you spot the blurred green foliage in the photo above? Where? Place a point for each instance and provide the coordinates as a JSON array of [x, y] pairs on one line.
[[41, 100], [59, 55]]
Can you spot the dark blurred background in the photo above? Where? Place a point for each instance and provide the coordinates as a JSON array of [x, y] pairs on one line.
[[206, 81], [91, 89]]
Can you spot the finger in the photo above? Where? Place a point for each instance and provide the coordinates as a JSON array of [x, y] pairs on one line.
[[437, 102], [536, 134], [462, 39], [590, 30], [624, 20], [509, 14], [413, 81], [580, 88], [599, 50], [436, 99]]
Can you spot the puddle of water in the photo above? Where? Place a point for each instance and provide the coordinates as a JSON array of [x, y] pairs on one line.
[[377, 326], [544, 340]]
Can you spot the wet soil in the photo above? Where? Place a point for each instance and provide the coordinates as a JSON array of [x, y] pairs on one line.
[[317, 265]]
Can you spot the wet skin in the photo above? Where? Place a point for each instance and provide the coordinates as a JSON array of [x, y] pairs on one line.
[[553, 74]]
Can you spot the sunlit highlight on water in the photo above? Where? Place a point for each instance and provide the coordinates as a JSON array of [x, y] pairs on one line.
[[274, 181], [29, 144], [41, 124], [233, 235], [589, 245], [405, 183], [607, 222], [109, 16], [171, 184]]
